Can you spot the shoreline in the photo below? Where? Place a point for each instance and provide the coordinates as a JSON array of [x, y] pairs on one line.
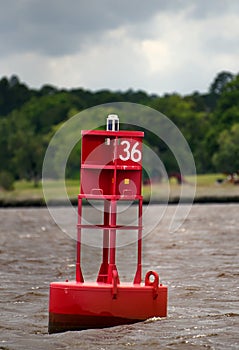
[[40, 202]]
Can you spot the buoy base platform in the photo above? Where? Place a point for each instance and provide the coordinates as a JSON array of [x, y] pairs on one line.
[[78, 306]]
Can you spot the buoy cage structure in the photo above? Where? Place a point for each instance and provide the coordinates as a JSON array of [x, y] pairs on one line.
[[111, 171]]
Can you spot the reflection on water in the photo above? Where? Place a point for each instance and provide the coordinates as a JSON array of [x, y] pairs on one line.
[[199, 263]]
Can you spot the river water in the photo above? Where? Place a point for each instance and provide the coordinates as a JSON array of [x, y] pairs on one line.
[[198, 262]]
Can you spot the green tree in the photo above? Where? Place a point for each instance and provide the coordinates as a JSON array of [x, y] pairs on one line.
[[46, 111], [223, 117], [13, 94], [28, 118], [28, 151], [227, 111], [5, 152], [6, 180], [226, 159], [192, 121], [216, 88], [220, 82]]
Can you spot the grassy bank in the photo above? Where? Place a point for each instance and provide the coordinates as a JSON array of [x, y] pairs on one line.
[[207, 190]]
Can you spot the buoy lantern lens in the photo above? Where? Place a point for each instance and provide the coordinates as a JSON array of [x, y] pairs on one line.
[[112, 122], [110, 125]]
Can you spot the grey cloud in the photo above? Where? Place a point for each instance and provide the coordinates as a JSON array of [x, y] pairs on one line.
[[220, 45], [204, 9], [58, 27], [61, 27]]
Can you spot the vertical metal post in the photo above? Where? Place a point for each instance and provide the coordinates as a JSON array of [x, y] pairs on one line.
[[115, 166], [113, 214], [112, 232], [103, 272], [138, 275], [79, 275], [112, 265], [106, 231]]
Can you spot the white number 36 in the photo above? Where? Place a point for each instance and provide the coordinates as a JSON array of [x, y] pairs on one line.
[[134, 154]]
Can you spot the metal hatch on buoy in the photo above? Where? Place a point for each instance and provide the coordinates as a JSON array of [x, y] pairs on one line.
[[111, 171]]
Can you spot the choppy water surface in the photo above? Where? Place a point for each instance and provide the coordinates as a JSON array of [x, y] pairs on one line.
[[199, 263]]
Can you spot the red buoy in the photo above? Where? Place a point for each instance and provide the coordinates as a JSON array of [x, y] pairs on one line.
[[111, 171]]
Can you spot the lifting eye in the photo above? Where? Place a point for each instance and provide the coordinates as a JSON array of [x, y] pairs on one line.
[[152, 279]]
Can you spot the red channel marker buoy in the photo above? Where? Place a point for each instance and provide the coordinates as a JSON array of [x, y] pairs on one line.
[[111, 171]]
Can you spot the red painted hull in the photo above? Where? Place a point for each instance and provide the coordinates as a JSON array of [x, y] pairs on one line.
[[77, 306]]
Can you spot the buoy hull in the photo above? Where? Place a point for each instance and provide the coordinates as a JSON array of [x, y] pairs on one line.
[[78, 306]]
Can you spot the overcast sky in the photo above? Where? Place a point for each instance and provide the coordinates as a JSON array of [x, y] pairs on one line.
[[156, 45]]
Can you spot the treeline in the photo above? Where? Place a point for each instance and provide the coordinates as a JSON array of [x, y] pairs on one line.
[[29, 118]]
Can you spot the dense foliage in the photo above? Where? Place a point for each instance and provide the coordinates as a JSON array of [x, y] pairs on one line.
[[29, 118]]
